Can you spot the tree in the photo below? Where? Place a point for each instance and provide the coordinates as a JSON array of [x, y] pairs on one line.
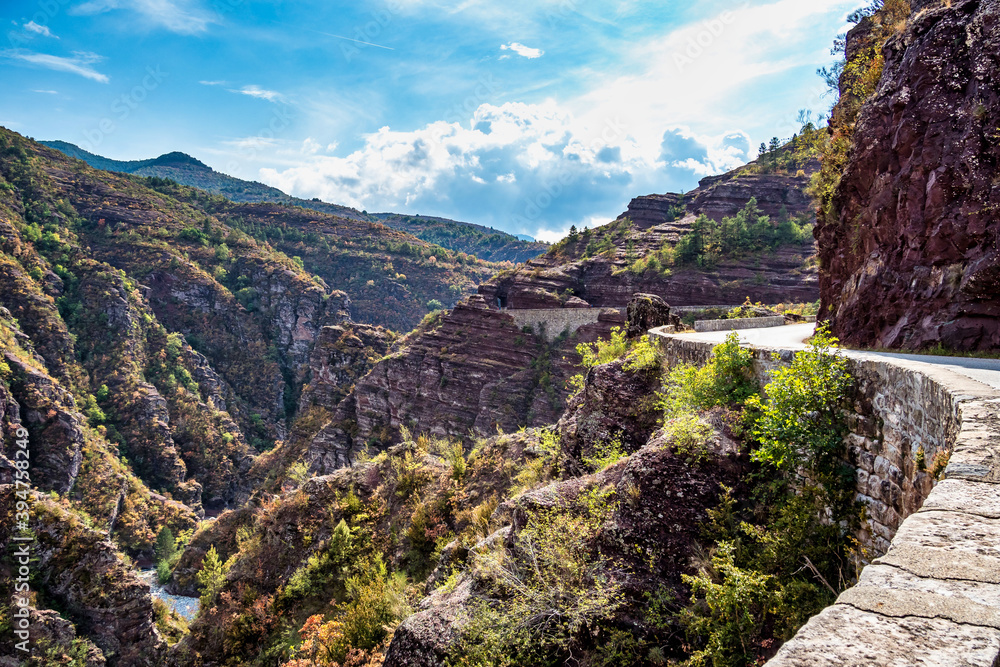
[[166, 545], [573, 234], [211, 577], [762, 151], [166, 554]]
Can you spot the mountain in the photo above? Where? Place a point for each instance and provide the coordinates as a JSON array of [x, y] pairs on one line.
[[650, 247], [483, 242]]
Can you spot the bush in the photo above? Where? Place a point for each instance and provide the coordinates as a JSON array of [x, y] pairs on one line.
[[545, 592], [211, 577], [729, 611], [726, 379], [605, 454], [688, 436], [802, 422]]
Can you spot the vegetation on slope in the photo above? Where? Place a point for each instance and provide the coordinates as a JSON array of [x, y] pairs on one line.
[[581, 572], [853, 80], [482, 242]]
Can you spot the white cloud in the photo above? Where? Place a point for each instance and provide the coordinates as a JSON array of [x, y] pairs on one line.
[[212, 83], [186, 17], [524, 168], [310, 146], [522, 50], [706, 71], [42, 30], [258, 92], [46, 92], [81, 62]]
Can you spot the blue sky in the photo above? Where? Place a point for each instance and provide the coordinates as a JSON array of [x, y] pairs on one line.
[[527, 115]]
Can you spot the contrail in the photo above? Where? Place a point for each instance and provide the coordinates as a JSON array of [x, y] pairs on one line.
[[349, 39]]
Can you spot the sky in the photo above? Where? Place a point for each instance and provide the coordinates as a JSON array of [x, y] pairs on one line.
[[524, 115]]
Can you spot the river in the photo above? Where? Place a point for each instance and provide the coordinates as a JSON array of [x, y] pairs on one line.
[[185, 606]]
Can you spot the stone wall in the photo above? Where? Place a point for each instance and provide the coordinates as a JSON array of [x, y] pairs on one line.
[[932, 596], [553, 321], [739, 323]]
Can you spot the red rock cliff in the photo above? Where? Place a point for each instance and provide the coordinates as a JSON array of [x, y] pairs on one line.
[[910, 257]]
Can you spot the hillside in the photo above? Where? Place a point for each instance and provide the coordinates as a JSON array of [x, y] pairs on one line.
[[483, 242], [708, 246]]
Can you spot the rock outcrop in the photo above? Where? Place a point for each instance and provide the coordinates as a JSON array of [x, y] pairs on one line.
[[645, 312], [911, 252], [597, 265], [79, 570], [467, 372]]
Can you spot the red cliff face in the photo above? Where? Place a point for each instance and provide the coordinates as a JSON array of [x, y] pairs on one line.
[[911, 257], [600, 275], [468, 372]]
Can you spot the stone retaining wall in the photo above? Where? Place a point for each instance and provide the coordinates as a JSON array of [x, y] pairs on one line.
[[932, 597], [739, 323], [553, 321]]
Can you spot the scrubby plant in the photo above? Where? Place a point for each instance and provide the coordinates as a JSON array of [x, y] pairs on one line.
[[605, 453], [212, 576], [544, 592], [802, 421]]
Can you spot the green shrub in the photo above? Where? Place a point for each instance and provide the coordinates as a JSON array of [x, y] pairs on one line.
[[727, 379], [802, 422], [729, 610], [376, 600], [211, 577], [326, 567], [605, 454], [688, 436]]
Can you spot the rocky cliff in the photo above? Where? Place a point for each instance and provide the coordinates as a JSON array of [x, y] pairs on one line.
[[909, 248], [464, 373], [607, 265], [152, 352]]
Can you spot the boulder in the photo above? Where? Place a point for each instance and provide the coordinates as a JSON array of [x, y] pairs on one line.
[[648, 311]]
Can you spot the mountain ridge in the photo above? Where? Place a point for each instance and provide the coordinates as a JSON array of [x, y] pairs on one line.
[[484, 242]]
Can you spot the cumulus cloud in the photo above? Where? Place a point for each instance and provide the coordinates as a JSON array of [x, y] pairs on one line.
[[525, 168], [81, 63], [522, 50]]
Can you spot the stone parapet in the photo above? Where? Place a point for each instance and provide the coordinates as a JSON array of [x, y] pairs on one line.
[[739, 323]]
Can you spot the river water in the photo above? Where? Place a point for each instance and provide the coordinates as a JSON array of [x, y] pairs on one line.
[[185, 606]]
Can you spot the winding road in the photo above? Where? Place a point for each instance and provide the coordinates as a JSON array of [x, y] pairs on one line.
[[793, 336]]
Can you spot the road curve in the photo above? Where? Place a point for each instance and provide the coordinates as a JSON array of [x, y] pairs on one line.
[[793, 336]]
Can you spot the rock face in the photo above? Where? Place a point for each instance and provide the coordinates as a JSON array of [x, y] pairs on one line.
[[616, 405], [601, 275], [82, 573], [469, 372], [776, 278], [911, 259], [645, 312], [724, 195], [654, 210], [341, 356]]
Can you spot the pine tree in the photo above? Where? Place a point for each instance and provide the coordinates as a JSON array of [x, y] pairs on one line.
[[166, 545], [573, 233], [211, 577]]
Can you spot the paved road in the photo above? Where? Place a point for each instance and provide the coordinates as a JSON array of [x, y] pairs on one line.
[[792, 337]]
